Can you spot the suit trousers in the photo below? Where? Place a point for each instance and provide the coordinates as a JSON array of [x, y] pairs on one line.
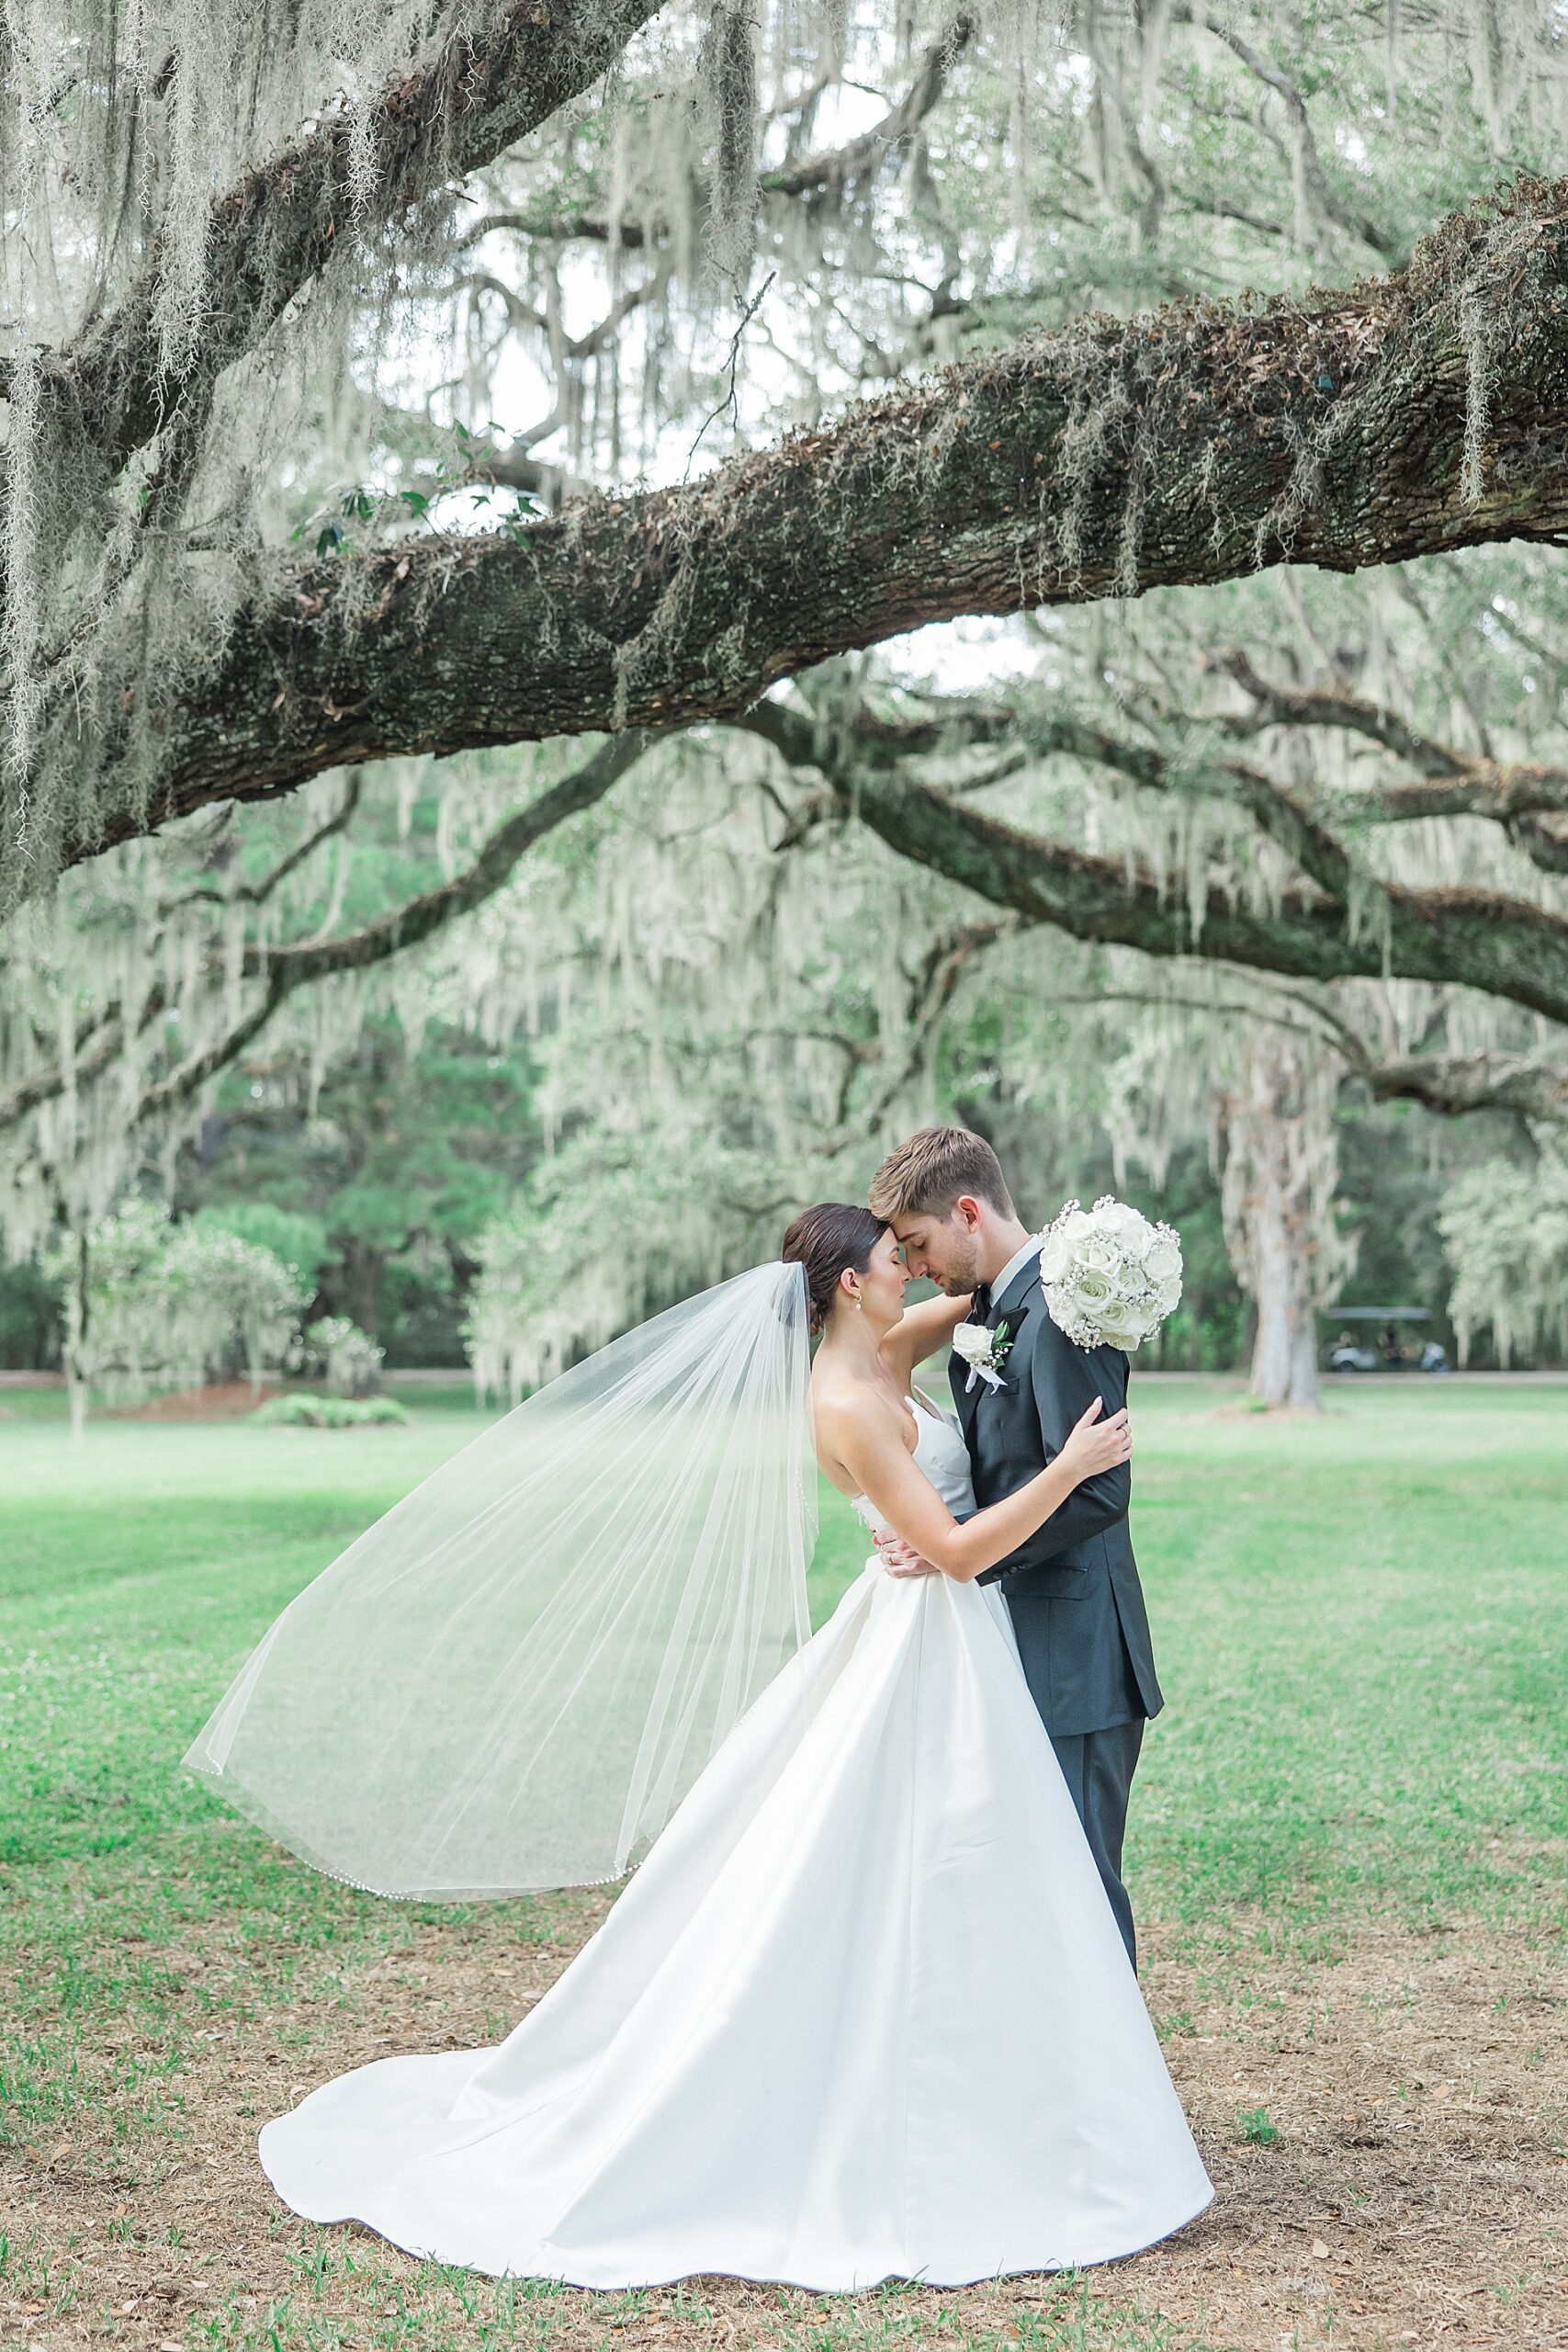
[[1098, 1767]]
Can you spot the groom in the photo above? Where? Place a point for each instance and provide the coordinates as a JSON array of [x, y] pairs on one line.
[[1072, 1590]]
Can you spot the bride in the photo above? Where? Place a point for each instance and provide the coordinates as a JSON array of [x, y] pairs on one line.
[[863, 2010]]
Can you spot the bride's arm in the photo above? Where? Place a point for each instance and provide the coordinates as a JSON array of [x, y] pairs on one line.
[[864, 1433], [920, 1331]]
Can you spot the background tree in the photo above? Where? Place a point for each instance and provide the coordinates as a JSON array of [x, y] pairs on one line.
[[322, 550], [150, 1304], [1507, 1233]]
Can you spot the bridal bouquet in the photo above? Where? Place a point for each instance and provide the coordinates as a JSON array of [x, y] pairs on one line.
[[1109, 1277]]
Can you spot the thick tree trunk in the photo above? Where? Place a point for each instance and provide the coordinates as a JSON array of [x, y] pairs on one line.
[[1278, 1197], [77, 1308], [1283, 1370], [1190, 446], [367, 1270]]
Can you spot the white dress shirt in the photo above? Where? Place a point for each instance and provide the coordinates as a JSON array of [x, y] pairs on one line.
[[1015, 1265]]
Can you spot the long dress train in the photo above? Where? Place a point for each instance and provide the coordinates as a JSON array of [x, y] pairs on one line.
[[862, 2012]]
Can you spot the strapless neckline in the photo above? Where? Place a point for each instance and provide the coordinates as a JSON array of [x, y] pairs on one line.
[[942, 1454]]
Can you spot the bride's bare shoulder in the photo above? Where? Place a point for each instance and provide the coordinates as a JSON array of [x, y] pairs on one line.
[[851, 1418]]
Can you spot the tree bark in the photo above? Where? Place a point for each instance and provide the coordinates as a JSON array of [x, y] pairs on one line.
[[1190, 446]]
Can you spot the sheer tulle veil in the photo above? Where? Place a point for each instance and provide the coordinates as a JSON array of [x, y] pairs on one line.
[[514, 1677]]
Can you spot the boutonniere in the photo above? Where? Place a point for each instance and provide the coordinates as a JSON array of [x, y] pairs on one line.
[[984, 1351]]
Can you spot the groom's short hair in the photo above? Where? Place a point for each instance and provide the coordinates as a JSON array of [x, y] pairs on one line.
[[935, 1168]]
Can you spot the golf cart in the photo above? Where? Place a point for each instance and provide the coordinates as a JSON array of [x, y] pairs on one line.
[[1378, 1345]]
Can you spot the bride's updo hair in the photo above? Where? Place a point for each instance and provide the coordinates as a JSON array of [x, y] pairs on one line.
[[826, 1239]]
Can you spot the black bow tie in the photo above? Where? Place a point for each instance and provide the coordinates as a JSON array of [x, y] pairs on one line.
[[980, 1303]]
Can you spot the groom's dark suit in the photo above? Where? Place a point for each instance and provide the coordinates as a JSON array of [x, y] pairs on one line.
[[1073, 1589]]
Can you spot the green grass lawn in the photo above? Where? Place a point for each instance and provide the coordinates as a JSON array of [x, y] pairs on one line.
[[1360, 1622]]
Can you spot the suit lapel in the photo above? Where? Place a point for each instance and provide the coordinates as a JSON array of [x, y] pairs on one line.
[[1011, 1308], [1013, 1305]]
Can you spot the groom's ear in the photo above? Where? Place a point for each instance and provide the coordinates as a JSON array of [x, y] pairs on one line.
[[969, 1209]]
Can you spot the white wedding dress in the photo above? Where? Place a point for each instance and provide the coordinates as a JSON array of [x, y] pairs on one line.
[[862, 2012]]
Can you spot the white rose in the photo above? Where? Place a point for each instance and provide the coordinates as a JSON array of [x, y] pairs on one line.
[[1075, 1225], [1122, 1223], [1090, 1289], [1096, 1254], [1162, 1259], [1121, 1332], [972, 1342], [1168, 1296], [1055, 1255]]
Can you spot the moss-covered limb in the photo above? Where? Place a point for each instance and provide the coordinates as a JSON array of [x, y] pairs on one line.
[[1320, 193], [1274, 705], [1039, 881], [1185, 446], [1475, 938], [869, 741], [873, 742], [489, 871], [272, 234], [1448, 782], [1530, 1086], [838, 167], [285, 968], [1471, 938]]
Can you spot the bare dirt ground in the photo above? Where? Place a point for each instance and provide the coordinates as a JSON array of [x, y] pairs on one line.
[[218, 1401], [1416, 2193]]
